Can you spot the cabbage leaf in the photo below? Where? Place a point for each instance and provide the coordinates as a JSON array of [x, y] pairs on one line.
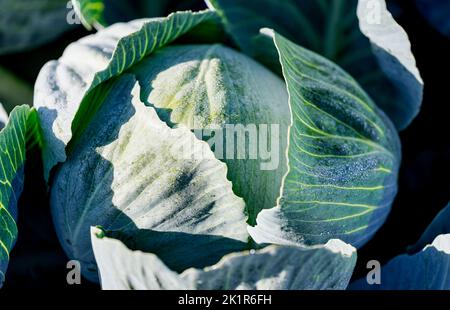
[[273, 268], [360, 36], [343, 157]]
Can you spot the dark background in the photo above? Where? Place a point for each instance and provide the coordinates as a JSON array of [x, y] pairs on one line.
[[37, 261]]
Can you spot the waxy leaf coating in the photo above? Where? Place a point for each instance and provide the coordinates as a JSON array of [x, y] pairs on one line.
[[114, 118], [343, 157], [129, 171], [211, 88], [359, 35], [63, 84], [273, 268]]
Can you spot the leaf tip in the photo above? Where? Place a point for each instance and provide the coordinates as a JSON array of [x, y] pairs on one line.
[[267, 32], [97, 231], [340, 247], [441, 243]]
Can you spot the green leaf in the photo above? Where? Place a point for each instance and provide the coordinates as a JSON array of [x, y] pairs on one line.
[[130, 171], [436, 12], [272, 268], [360, 36], [63, 85], [343, 156], [426, 270], [91, 12], [25, 24], [20, 133], [214, 89]]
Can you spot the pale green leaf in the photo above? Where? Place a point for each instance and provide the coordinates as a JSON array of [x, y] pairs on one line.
[[63, 85], [343, 156], [212, 87], [369, 44], [128, 170], [273, 268]]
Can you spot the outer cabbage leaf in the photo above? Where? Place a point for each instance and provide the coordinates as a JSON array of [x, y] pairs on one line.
[[64, 84], [426, 270], [128, 170], [212, 88], [29, 23], [439, 226], [343, 157], [273, 268], [377, 53], [19, 134], [426, 266], [436, 12]]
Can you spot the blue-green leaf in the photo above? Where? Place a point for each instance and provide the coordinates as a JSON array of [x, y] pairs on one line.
[[361, 36], [399, 93], [129, 171], [426, 270], [212, 88], [343, 155], [437, 13], [439, 226], [25, 24], [63, 85], [19, 134], [273, 268]]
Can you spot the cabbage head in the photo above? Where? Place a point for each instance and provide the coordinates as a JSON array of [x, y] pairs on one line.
[[182, 145]]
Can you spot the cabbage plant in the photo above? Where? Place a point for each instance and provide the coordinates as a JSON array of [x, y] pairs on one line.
[[221, 149]]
